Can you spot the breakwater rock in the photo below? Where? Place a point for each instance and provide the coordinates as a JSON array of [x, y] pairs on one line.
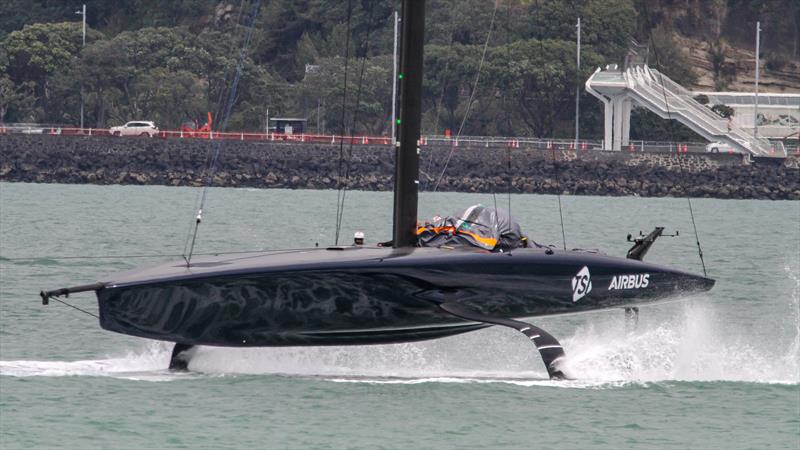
[[184, 162]]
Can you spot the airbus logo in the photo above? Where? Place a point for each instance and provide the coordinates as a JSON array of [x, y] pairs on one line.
[[581, 284], [637, 281]]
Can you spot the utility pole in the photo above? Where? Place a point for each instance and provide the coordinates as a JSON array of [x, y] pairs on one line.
[[82, 12], [758, 49], [578, 88], [394, 81], [318, 104], [266, 122]]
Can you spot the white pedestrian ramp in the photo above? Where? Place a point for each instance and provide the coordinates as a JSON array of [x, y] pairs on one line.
[[669, 100]]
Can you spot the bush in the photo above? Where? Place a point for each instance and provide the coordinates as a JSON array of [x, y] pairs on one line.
[[776, 61], [724, 111]]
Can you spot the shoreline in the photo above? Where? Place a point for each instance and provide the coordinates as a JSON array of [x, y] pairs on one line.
[[182, 162]]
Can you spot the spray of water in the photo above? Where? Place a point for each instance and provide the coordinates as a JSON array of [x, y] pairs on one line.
[[691, 347]]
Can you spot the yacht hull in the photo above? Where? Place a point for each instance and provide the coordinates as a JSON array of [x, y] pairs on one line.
[[359, 296]]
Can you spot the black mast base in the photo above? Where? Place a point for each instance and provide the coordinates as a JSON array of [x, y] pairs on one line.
[[179, 361], [549, 348]]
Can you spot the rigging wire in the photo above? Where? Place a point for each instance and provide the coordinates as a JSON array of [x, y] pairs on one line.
[[552, 147], [509, 177], [696, 237], [672, 135], [223, 126], [471, 95], [558, 196], [155, 255], [343, 121], [453, 9], [75, 307], [343, 186], [508, 149]]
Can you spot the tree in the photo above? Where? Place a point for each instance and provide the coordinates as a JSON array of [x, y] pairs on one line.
[[38, 51], [449, 75], [667, 57], [540, 77], [18, 100], [368, 94]]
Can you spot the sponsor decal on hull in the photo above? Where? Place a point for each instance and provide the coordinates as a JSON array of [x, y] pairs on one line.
[[637, 281], [581, 284]]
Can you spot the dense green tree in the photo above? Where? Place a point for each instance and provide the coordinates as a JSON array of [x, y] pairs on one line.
[[368, 102], [16, 101], [36, 53]]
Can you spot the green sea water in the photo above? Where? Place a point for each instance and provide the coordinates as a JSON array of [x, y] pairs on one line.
[[718, 370]]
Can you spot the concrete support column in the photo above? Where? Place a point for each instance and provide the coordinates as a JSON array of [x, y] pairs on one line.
[[616, 103], [609, 114], [626, 122]]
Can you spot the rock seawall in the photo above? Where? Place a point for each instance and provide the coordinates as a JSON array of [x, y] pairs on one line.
[[107, 160]]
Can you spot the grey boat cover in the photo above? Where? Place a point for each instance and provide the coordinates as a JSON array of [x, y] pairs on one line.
[[478, 226]]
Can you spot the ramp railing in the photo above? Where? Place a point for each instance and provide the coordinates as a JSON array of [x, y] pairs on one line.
[[670, 100]]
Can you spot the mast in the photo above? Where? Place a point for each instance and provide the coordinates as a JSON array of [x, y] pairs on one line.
[[406, 177], [394, 80]]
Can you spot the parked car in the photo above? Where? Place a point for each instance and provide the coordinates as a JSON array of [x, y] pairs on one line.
[[138, 128], [723, 147]]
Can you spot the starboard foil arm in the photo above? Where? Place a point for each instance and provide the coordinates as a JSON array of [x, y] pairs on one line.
[[47, 295], [549, 348]]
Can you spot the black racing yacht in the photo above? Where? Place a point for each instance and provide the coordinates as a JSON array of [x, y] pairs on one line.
[[456, 275]]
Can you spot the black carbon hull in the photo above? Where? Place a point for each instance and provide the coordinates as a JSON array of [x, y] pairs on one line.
[[359, 296]]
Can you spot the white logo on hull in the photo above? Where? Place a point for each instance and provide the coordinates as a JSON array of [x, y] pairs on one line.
[[629, 281], [581, 284]]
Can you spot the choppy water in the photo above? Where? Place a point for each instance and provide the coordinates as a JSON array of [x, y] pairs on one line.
[[719, 370]]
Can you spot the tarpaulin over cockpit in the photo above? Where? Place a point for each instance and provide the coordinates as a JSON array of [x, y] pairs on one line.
[[477, 226]]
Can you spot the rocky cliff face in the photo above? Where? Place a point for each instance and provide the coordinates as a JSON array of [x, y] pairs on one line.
[[731, 68]]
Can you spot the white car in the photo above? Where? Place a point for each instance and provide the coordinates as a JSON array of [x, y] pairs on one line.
[[723, 147], [138, 128]]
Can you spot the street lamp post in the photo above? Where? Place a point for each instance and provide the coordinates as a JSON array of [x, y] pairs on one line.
[[82, 12]]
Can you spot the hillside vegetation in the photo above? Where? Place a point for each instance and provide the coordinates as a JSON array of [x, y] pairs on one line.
[[173, 61]]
